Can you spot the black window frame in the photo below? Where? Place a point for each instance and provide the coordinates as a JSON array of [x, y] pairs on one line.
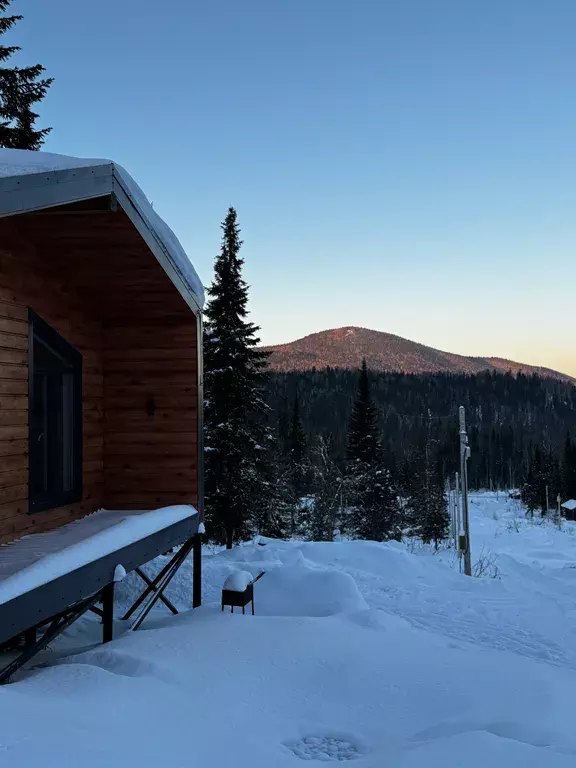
[[39, 502]]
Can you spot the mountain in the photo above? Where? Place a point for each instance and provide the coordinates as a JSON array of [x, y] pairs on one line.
[[346, 347]]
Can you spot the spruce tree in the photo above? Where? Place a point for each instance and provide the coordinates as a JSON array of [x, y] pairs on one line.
[[283, 427], [569, 470], [532, 492], [435, 522], [238, 482], [415, 483], [20, 89], [427, 509], [297, 465], [375, 512], [405, 488], [270, 514], [363, 434], [551, 479], [273, 514]]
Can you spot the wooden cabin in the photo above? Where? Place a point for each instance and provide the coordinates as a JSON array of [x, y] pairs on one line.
[[569, 509], [100, 349]]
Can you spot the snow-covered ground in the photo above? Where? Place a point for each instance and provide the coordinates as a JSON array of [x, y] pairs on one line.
[[374, 654]]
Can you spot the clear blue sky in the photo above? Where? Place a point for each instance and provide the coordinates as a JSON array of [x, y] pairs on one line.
[[406, 165]]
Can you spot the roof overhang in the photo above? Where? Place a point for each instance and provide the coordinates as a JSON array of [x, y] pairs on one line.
[[29, 192]]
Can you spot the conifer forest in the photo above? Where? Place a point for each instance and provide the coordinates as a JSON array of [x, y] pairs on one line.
[[368, 454]]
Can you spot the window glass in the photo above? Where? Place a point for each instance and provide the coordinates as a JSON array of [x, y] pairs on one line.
[[55, 418]]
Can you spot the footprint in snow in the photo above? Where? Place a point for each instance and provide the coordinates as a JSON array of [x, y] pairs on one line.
[[324, 748]]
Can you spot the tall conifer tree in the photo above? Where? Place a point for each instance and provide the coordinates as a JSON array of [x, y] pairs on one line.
[[375, 511], [569, 469], [21, 88], [426, 504], [297, 465], [238, 488], [533, 489]]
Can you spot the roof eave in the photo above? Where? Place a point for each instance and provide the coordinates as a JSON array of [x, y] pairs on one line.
[[148, 234], [37, 191]]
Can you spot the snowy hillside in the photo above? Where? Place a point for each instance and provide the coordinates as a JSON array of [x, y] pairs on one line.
[[359, 652]]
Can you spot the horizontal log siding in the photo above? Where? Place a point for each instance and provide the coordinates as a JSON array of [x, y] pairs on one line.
[[150, 394], [24, 283], [93, 278]]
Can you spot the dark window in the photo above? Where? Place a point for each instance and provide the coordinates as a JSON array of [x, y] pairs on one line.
[[55, 431]]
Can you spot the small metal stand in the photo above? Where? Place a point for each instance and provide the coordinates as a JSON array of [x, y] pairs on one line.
[[240, 599]]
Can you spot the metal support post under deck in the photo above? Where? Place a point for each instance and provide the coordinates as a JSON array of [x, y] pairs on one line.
[[108, 613], [57, 625], [197, 572]]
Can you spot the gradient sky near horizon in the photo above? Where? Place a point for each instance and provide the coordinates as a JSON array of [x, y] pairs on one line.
[[403, 165]]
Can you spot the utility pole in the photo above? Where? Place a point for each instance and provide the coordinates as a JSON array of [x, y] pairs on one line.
[[464, 455], [457, 520], [450, 497], [547, 502], [559, 512], [456, 513]]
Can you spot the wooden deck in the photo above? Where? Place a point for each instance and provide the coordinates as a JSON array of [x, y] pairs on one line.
[[51, 595]]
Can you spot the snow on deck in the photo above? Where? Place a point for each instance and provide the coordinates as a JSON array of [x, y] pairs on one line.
[[39, 558], [19, 162]]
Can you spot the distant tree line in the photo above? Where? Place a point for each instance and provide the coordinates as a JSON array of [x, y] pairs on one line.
[[335, 452], [550, 475], [268, 472], [508, 417]]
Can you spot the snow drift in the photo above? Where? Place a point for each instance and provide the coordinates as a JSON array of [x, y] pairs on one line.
[[359, 652]]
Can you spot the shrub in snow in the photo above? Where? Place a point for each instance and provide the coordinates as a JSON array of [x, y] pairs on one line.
[[514, 525], [486, 566], [322, 513]]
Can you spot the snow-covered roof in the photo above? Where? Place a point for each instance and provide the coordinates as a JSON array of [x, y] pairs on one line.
[[570, 505], [39, 558], [35, 180]]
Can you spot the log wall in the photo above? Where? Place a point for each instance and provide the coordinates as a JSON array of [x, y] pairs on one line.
[[96, 282], [150, 399], [23, 284]]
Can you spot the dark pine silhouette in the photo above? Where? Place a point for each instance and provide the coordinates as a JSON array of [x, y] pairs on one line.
[[21, 88], [375, 513], [237, 487]]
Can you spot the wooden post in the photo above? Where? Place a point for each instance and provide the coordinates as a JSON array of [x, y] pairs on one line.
[[197, 572], [108, 613], [464, 453]]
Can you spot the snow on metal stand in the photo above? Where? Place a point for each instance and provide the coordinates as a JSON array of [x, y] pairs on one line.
[[238, 590]]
